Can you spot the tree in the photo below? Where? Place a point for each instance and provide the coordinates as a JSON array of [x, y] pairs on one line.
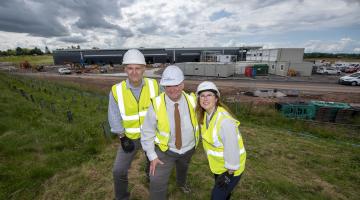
[[10, 52], [36, 51], [19, 51], [47, 51], [26, 51]]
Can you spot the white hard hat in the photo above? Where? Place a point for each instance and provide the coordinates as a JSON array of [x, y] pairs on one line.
[[172, 75], [134, 56], [207, 85]]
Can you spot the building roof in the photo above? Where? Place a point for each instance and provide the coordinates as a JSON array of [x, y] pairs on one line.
[[163, 49]]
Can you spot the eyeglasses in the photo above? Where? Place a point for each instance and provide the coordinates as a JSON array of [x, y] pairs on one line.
[[207, 96]]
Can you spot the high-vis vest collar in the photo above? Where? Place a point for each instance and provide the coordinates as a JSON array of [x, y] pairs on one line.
[[213, 144], [162, 135], [133, 111]]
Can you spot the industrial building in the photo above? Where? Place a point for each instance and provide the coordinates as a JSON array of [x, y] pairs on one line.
[[152, 55], [281, 60], [266, 61], [202, 61]]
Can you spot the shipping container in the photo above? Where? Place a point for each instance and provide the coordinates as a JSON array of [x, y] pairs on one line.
[[210, 70], [225, 70], [198, 70], [188, 69], [207, 69]]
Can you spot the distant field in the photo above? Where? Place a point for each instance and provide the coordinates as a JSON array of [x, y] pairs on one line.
[[33, 60], [44, 156]]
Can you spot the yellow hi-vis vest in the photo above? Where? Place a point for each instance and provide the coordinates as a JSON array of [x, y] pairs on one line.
[[133, 111], [213, 145], [162, 135]]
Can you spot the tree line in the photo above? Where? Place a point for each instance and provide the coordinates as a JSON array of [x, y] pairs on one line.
[[332, 55], [18, 51]]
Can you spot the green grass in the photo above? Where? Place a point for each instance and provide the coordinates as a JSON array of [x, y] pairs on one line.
[[33, 60], [36, 138], [43, 156]]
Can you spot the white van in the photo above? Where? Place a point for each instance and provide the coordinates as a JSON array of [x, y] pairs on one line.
[[352, 79]]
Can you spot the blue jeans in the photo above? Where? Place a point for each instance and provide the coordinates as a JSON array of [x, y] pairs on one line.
[[224, 192]]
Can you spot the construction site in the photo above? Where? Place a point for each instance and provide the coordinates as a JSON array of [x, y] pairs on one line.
[[244, 74], [294, 126]]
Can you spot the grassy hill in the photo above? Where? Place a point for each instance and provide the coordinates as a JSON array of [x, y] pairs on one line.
[[38, 138], [45, 156]]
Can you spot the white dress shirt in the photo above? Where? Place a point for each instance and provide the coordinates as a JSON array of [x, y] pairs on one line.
[[150, 125]]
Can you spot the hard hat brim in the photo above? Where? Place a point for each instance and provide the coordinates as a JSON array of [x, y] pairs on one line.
[[134, 63], [170, 82], [217, 93]]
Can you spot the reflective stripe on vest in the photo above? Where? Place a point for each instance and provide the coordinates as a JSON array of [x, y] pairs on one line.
[[213, 145], [126, 101], [216, 140], [163, 126], [221, 154], [151, 89], [121, 103]]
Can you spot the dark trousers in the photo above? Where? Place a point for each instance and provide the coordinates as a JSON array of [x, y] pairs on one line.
[[224, 193], [120, 171], [159, 182]]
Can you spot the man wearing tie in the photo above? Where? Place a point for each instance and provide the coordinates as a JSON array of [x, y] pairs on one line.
[[170, 134]]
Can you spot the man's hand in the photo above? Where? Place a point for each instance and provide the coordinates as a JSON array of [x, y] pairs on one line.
[[153, 164], [127, 144], [224, 179]]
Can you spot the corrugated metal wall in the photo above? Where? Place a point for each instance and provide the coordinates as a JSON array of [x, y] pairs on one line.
[[152, 55]]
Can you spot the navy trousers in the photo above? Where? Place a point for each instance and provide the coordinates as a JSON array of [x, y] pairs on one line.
[[224, 193]]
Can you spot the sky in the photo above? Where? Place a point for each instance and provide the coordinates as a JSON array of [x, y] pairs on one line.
[[331, 26]]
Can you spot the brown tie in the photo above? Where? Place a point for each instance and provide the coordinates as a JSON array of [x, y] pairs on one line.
[[177, 127]]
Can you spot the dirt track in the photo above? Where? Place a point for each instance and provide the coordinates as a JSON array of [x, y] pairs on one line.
[[233, 89]]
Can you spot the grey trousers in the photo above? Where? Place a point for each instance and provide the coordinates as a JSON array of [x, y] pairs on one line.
[[120, 171], [159, 182]]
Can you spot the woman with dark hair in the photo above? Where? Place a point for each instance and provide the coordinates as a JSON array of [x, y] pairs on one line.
[[221, 140]]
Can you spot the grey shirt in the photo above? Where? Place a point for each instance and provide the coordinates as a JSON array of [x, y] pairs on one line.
[[229, 139], [150, 125], [114, 116]]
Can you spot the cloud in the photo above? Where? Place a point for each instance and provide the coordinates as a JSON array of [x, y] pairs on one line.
[[48, 18], [177, 23], [340, 46], [77, 39], [30, 17]]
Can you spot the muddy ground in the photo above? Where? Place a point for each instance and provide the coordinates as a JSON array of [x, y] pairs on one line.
[[234, 90], [316, 87]]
